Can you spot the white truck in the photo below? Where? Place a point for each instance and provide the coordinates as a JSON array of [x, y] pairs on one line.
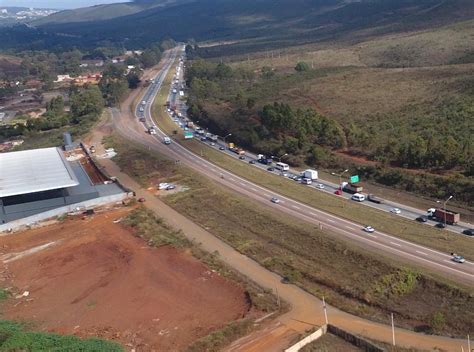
[[310, 174], [167, 140]]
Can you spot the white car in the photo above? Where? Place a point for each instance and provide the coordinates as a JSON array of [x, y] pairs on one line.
[[319, 185], [459, 259], [369, 229], [275, 200], [395, 211]]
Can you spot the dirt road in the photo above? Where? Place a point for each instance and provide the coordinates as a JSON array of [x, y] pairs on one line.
[[92, 277]]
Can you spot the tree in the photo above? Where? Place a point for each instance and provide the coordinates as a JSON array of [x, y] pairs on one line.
[[87, 104], [302, 66], [133, 79]]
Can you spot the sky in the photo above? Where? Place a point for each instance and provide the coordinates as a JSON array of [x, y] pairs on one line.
[[56, 4]]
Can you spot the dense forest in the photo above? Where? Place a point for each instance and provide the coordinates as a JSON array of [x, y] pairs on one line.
[[434, 142]]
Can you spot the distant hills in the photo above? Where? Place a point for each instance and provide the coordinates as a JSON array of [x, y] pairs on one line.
[[260, 21], [12, 14]]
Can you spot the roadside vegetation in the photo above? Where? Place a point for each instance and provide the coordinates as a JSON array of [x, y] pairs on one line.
[[349, 277], [18, 337], [408, 229], [272, 113]]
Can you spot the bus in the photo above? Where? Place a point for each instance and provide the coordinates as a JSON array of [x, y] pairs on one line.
[[282, 166]]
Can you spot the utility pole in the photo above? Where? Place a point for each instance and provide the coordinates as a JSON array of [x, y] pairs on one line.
[[468, 343], [325, 312], [393, 331]]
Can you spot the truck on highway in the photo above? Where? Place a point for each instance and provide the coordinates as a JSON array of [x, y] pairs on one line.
[[190, 124], [167, 140], [352, 188], [374, 199], [310, 174], [151, 130], [440, 214], [233, 148], [262, 159]]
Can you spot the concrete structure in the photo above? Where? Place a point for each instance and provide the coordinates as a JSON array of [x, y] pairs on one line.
[[39, 181]]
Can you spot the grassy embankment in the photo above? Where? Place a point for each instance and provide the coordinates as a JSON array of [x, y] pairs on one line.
[[19, 337], [407, 229], [356, 281]]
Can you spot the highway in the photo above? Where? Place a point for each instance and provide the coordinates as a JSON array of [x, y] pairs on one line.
[[327, 187], [377, 242]]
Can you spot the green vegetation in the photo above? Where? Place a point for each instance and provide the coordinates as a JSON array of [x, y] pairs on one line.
[[236, 101], [349, 277], [16, 337], [154, 230]]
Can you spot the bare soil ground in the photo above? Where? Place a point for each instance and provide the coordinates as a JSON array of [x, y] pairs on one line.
[[96, 279]]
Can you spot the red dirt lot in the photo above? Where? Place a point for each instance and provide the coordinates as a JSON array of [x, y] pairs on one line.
[[97, 279]]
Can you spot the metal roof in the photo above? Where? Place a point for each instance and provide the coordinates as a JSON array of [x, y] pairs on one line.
[[34, 170]]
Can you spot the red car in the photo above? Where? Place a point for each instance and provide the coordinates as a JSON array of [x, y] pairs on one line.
[[338, 192], [141, 199]]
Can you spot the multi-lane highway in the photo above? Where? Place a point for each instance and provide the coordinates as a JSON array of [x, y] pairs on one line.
[[132, 128], [319, 186]]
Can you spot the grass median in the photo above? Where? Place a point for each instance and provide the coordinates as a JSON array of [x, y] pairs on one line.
[[352, 279], [442, 240]]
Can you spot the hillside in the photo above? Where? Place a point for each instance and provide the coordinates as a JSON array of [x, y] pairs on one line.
[[102, 12], [263, 22]]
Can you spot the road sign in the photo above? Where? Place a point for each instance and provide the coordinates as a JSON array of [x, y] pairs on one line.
[[355, 179], [188, 135]]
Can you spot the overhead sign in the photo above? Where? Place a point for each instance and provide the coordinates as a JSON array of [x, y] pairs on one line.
[[354, 179], [188, 135]]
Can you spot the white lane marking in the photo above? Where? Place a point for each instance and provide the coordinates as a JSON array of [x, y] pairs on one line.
[[243, 184], [253, 189], [230, 178], [296, 207], [314, 214], [266, 195], [349, 227], [422, 253], [395, 244], [370, 235], [450, 262]]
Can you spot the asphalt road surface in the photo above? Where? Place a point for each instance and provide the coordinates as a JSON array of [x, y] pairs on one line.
[[132, 128]]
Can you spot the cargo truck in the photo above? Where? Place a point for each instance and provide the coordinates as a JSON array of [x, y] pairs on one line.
[[440, 214], [262, 159], [352, 188], [310, 174], [233, 148]]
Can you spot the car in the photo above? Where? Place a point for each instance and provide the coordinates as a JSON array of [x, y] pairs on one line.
[[319, 185], [141, 200], [221, 148], [212, 144], [252, 162], [422, 219], [170, 187], [369, 229], [297, 178], [440, 225], [285, 280], [242, 157], [271, 169], [203, 139], [284, 174], [275, 200], [468, 232], [338, 192], [395, 211], [458, 259]]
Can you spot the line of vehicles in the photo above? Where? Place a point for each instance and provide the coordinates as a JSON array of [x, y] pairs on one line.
[[307, 177]]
